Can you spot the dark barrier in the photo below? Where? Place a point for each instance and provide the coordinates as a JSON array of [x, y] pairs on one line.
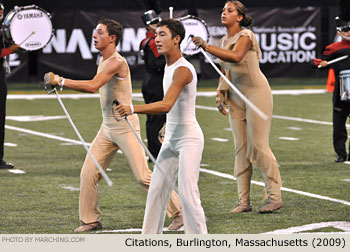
[[288, 38]]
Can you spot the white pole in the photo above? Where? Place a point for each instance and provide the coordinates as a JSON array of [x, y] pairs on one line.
[[171, 12], [335, 60], [149, 154], [249, 103], [103, 173]]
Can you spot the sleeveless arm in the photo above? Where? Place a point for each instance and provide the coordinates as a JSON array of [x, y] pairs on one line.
[[100, 79], [182, 76]]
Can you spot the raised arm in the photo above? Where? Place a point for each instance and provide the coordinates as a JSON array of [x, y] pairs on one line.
[[236, 55], [115, 66]]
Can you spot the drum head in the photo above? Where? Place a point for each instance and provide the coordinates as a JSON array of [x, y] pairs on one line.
[[198, 28], [31, 28]]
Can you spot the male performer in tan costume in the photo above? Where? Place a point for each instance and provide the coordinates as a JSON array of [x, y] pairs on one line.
[[113, 82]]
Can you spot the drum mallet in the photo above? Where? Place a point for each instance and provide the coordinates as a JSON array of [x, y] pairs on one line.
[[171, 9], [33, 32], [335, 60], [245, 99], [103, 173]]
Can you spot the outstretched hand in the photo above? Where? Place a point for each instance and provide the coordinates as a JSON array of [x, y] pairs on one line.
[[52, 79], [199, 42]]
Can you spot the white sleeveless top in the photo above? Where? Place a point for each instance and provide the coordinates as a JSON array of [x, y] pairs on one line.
[[184, 108], [181, 119]]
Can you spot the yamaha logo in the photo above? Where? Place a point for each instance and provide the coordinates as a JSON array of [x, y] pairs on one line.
[[30, 15], [33, 44]]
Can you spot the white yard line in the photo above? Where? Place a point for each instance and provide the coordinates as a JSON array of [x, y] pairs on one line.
[[219, 174], [339, 225], [342, 225], [296, 119], [139, 95], [16, 171], [223, 140], [312, 195], [130, 230], [71, 188], [34, 118], [289, 138], [36, 133]]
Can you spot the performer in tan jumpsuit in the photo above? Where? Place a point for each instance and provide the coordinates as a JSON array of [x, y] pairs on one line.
[[113, 82], [239, 58]]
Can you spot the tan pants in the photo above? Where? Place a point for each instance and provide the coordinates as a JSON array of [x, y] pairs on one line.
[[104, 147], [251, 135]]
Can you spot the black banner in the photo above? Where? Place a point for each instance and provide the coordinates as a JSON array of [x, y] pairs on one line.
[[288, 39]]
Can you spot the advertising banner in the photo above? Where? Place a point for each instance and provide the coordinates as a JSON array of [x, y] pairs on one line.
[[288, 38]]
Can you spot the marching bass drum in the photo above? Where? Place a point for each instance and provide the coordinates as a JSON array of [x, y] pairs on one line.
[[193, 26], [28, 26], [344, 83]]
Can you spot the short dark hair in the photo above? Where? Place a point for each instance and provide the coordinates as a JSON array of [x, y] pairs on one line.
[[175, 27], [113, 28]]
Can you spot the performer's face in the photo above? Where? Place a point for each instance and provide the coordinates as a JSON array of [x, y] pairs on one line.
[[230, 15], [164, 41], [346, 35], [151, 27], [1, 14], [101, 37]]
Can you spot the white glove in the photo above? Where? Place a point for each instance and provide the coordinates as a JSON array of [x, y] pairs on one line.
[[198, 41], [52, 79]]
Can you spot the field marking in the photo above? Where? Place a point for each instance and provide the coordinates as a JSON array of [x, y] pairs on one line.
[[16, 171], [289, 138], [342, 225], [36, 133], [34, 118], [10, 144], [139, 95], [293, 229], [228, 176], [130, 230], [294, 128], [290, 118], [223, 140], [71, 188], [312, 195]]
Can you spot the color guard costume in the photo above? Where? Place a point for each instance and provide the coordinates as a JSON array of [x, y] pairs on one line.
[[251, 133], [111, 137], [179, 157]]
